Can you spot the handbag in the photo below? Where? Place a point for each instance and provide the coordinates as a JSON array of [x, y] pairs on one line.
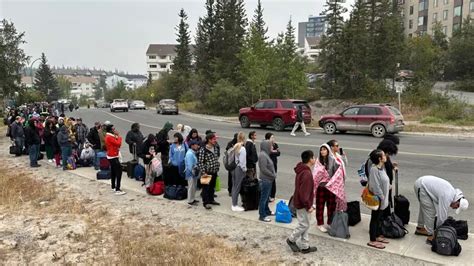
[[205, 179], [339, 225], [392, 227], [369, 199]]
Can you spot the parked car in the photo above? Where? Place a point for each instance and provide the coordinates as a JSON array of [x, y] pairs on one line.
[[119, 104], [404, 74], [167, 106], [274, 112], [378, 119], [137, 105]]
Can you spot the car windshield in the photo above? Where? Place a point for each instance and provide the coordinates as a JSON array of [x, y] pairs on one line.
[[138, 102], [168, 102], [394, 110], [119, 100]]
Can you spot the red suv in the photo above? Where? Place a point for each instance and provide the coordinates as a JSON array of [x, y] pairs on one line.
[[377, 119], [276, 113]]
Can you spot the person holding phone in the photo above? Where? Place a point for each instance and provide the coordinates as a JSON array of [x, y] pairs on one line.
[[339, 154], [113, 142]]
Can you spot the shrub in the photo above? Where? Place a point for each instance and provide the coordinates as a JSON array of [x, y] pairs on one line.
[[464, 85], [431, 120], [225, 98]]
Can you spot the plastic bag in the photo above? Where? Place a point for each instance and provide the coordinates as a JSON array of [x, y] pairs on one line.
[[283, 214]]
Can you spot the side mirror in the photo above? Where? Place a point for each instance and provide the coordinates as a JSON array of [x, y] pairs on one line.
[[252, 108]]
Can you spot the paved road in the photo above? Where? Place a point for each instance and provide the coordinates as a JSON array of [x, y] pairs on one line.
[[450, 158]]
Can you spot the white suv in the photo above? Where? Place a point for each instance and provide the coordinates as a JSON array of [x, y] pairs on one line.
[[119, 104]]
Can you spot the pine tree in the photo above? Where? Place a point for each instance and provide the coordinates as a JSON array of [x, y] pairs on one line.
[[150, 79], [182, 61], [45, 82], [258, 23], [204, 52]]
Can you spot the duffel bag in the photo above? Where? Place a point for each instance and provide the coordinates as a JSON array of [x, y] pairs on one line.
[[392, 227], [156, 189]]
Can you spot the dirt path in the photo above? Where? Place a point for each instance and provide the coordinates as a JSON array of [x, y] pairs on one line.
[[51, 216]]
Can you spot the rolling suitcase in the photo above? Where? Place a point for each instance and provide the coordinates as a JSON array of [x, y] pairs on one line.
[[250, 194], [132, 163], [401, 204], [353, 213], [103, 174]]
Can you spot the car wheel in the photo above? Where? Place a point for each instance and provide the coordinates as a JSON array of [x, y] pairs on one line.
[[330, 128], [244, 121], [278, 124], [378, 131]]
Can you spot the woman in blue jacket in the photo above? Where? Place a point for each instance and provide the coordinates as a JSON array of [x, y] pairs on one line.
[[178, 149]]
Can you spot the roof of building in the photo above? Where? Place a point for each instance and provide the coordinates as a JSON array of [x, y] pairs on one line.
[[133, 76], [313, 41], [81, 79], [161, 49]]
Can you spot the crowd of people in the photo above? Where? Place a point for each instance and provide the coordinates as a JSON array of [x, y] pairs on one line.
[[188, 157]]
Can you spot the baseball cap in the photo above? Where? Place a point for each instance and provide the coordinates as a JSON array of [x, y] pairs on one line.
[[210, 131], [106, 123], [463, 205], [194, 142]]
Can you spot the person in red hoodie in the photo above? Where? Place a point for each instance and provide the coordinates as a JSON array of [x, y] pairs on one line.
[[303, 198], [113, 141]]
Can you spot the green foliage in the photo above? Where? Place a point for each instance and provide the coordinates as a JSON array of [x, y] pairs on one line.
[[423, 56], [12, 58], [65, 86], [431, 120], [45, 82], [100, 88], [464, 85], [182, 61], [119, 92], [460, 55], [224, 98], [29, 96]]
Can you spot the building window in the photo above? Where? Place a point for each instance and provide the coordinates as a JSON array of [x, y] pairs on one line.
[[457, 11], [445, 30], [456, 27], [445, 14], [410, 24], [435, 3], [162, 66], [446, 2], [162, 56], [411, 10], [435, 17], [472, 6], [421, 6], [152, 57], [421, 21], [410, 35], [152, 66]]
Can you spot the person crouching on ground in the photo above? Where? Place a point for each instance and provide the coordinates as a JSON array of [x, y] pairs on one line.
[[303, 201], [267, 178], [192, 173], [435, 196], [113, 141], [379, 185]]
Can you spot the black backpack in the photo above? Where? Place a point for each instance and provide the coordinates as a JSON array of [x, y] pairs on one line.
[[445, 241], [460, 226], [392, 227]]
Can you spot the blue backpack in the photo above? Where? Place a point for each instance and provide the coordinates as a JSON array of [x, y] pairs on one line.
[[283, 213], [139, 172]]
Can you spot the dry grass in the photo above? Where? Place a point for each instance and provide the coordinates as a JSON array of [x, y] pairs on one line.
[[151, 244], [17, 188]]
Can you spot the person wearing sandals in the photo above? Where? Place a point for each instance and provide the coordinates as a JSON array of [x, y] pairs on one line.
[[267, 177], [379, 185]]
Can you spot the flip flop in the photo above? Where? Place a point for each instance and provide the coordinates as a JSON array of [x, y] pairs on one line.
[[383, 240], [377, 246]]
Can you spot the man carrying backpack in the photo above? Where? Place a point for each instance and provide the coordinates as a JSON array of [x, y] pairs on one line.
[[435, 196]]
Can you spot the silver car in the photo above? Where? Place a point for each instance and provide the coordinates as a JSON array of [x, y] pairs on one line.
[[167, 106], [137, 105]]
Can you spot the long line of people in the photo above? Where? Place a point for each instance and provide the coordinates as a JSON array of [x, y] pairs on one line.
[[192, 162]]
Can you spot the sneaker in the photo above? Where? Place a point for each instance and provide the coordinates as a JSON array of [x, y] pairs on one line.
[[309, 250], [237, 209], [266, 219], [120, 192], [293, 134], [50, 161], [322, 228], [307, 134], [292, 245]]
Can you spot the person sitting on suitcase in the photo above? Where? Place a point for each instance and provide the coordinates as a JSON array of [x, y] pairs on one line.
[[435, 196], [303, 197], [134, 139]]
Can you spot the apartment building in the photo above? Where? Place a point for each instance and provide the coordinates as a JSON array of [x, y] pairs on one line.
[[82, 85], [314, 27], [419, 16], [160, 59]]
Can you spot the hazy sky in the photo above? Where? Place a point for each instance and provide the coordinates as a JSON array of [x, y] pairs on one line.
[[115, 34]]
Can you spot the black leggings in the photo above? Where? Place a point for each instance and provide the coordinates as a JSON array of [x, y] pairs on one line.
[[115, 173], [375, 219]]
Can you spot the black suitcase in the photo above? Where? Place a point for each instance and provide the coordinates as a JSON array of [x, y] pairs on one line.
[[15, 150], [103, 174], [250, 194], [401, 204], [132, 163], [353, 213]]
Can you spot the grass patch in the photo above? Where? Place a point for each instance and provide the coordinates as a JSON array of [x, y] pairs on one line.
[[19, 188], [431, 120]]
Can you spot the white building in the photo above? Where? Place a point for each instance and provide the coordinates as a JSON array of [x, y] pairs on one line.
[[27, 82], [159, 59], [312, 48], [131, 81], [82, 85]]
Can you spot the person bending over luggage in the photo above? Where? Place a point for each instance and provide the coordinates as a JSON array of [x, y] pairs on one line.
[[326, 168], [267, 178], [175, 172], [436, 196], [240, 170], [113, 141], [134, 139], [379, 185], [303, 197]]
